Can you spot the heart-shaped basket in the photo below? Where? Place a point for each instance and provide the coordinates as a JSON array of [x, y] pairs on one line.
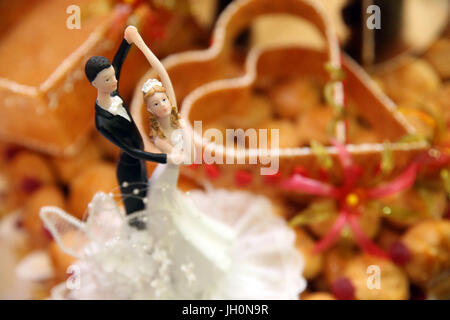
[[207, 92]]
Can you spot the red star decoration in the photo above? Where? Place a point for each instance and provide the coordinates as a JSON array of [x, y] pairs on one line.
[[350, 198]]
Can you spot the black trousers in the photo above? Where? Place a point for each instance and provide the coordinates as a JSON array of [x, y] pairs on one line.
[[133, 181]]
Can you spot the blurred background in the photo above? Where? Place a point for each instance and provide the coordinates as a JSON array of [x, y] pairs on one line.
[[50, 153]]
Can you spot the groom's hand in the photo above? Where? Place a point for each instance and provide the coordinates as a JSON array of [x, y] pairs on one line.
[[130, 34], [176, 157]]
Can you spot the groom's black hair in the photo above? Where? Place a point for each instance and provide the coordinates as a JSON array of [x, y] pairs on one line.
[[94, 65]]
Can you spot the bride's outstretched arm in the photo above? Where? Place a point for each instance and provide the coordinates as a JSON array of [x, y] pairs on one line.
[[132, 36]]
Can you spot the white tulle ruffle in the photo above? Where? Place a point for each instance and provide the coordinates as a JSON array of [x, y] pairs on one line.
[[116, 261]]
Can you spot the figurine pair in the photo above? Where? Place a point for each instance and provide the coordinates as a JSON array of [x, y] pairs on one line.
[[212, 244], [114, 121]]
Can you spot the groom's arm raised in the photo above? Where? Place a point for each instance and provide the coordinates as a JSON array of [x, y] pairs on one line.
[[119, 58]]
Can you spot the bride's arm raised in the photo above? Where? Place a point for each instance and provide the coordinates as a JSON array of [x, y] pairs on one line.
[[132, 36]]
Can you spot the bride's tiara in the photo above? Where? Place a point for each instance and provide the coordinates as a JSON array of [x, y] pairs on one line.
[[150, 83]]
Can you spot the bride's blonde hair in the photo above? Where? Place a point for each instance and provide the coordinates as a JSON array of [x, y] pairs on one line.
[[155, 127]]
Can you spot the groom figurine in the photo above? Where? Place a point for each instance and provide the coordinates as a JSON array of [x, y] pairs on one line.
[[114, 121]]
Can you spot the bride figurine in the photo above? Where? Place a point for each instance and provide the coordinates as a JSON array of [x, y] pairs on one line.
[[212, 244], [169, 135]]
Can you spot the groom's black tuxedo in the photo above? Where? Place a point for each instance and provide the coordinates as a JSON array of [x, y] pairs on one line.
[[131, 170]]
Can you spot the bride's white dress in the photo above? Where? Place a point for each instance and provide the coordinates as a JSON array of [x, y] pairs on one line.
[[212, 244]]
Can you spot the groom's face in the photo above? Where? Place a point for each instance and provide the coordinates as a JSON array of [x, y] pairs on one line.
[[106, 80]]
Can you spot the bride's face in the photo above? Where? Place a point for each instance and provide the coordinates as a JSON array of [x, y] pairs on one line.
[[158, 104]]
